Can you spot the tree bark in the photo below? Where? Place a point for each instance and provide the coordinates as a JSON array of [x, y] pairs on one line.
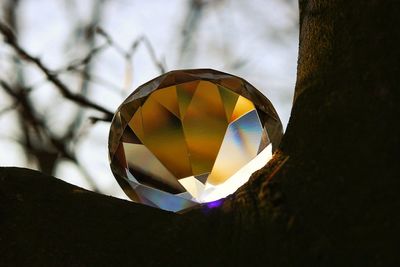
[[327, 198]]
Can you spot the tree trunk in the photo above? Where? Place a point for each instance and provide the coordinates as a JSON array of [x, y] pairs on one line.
[[328, 197]]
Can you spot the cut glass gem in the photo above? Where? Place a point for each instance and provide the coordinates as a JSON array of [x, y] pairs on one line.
[[190, 137]]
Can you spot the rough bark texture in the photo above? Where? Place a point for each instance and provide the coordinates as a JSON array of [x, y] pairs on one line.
[[328, 198]]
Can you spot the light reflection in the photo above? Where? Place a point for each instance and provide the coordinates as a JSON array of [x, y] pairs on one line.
[[189, 143], [215, 204]]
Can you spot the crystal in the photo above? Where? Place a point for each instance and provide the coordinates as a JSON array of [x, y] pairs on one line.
[[189, 137]]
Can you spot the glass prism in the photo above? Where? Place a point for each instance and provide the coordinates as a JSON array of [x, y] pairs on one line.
[[189, 137]]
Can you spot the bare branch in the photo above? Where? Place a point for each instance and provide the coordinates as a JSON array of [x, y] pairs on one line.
[[111, 42], [64, 90], [190, 25], [20, 96], [8, 109], [153, 56], [129, 53], [93, 120], [76, 64], [98, 80], [50, 146]]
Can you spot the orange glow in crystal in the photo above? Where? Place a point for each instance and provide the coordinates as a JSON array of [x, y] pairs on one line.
[[189, 137]]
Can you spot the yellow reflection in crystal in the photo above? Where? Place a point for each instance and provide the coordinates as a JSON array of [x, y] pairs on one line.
[[229, 99], [190, 139], [185, 94], [168, 98], [242, 140], [136, 124], [204, 126], [193, 117], [163, 135], [243, 105]]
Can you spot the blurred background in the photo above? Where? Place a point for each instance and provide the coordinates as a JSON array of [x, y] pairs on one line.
[[66, 65]]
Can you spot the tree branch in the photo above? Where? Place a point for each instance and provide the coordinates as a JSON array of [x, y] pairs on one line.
[[328, 198], [63, 89]]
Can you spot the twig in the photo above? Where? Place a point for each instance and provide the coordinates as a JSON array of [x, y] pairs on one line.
[[93, 120], [191, 23], [64, 90], [98, 80], [30, 115], [129, 53], [110, 41], [59, 145], [76, 64], [20, 96], [153, 56], [8, 109]]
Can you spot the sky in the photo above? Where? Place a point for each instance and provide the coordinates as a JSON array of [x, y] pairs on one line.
[[256, 40]]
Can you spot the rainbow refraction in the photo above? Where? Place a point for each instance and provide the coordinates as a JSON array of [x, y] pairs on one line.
[[190, 137]]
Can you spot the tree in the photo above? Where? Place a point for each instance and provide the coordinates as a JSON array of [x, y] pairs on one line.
[[327, 197]]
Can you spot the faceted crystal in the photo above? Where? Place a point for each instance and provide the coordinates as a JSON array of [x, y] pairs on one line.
[[190, 137]]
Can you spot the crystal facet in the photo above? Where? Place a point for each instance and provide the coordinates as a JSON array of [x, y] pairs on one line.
[[190, 137]]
